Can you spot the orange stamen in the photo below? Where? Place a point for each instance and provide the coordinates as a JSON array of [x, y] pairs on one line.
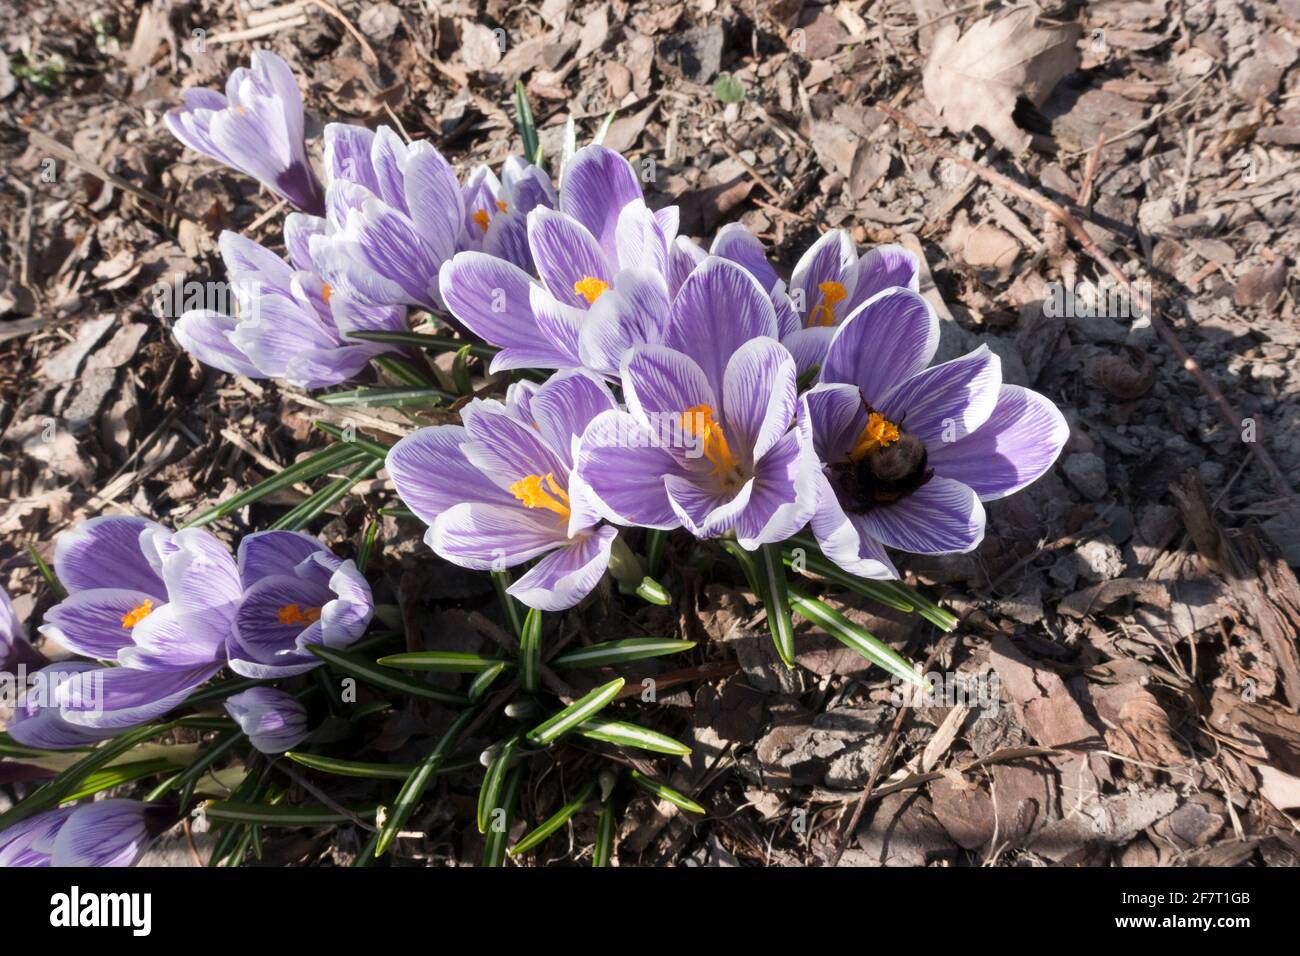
[[481, 217], [537, 491], [833, 293], [699, 420], [326, 292], [137, 614], [293, 614], [590, 288], [879, 433]]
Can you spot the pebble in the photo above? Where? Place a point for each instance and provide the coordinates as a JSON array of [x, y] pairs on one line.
[[1087, 472], [1211, 473], [1099, 560]]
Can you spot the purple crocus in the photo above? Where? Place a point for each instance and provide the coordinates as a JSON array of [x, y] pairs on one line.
[[296, 593], [14, 647], [706, 442], [829, 282], [158, 603], [910, 452], [496, 210], [37, 720], [256, 128], [500, 490], [108, 833], [395, 215], [273, 720], [290, 323], [601, 228], [30, 842]]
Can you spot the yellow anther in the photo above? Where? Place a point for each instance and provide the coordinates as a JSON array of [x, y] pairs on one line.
[[137, 614], [833, 293], [326, 292], [481, 217], [590, 288], [537, 491], [879, 433], [699, 420], [501, 204], [293, 614]]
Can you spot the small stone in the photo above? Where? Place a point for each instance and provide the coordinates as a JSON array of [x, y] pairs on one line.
[[1065, 572], [1099, 560], [1211, 473], [1087, 472], [1121, 523]]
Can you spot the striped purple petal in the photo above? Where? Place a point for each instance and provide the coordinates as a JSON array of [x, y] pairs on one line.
[[109, 833], [946, 402], [941, 517], [1015, 446], [596, 184], [273, 720], [567, 575], [884, 342], [110, 552]]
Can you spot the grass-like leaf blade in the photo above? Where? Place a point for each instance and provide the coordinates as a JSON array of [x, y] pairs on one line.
[[386, 397], [603, 851], [413, 789], [489, 794], [451, 662], [627, 734], [553, 823], [653, 786], [273, 815], [333, 457], [501, 818], [854, 637], [584, 708], [530, 650], [608, 653], [372, 673]]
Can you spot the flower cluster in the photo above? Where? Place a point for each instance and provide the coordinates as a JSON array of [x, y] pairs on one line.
[[688, 389], [706, 350], [163, 611], [365, 247]]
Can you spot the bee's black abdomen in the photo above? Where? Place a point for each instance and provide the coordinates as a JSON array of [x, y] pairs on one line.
[[881, 477]]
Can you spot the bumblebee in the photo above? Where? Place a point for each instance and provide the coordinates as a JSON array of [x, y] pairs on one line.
[[887, 464]]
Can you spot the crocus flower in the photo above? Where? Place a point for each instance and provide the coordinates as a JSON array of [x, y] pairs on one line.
[[395, 215], [289, 323], [37, 720], [500, 490], [296, 593], [106, 833], [910, 452], [496, 210], [30, 842], [14, 648], [602, 227], [706, 442], [158, 603], [829, 282], [273, 720], [256, 128]]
